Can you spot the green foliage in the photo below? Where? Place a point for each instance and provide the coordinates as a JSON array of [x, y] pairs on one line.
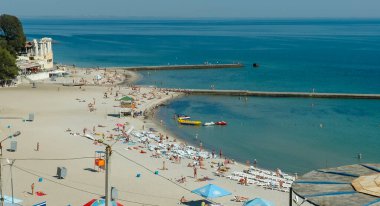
[[8, 68], [12, 32]]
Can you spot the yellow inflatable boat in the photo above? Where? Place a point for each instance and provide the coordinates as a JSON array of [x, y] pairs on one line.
[[189, 122]]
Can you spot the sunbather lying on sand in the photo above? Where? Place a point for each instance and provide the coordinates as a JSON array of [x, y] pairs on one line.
[[183, 200], [239, 199], [204, 179], [182, 180]]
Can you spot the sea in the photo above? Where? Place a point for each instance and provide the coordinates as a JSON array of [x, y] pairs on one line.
[[295, 55]]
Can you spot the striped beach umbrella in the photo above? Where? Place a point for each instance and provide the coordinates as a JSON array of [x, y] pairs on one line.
[[357, 184]]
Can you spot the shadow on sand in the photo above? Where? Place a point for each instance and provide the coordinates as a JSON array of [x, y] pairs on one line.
[[196, 202]]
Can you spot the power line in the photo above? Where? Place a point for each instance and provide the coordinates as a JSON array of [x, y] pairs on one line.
[[152, 171], [75, 188], [79, 189], [124, 191], [52, 159]]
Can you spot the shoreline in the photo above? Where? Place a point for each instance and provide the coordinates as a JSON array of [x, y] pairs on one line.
[[130, 78], [60, 109]]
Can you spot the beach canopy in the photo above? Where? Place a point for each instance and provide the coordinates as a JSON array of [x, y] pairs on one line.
[[258, 202], [211, 191], [356, 184], [40, 204], [101, 202], [126, 98]]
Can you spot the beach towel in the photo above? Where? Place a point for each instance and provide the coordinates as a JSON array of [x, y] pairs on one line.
[[39, 193]]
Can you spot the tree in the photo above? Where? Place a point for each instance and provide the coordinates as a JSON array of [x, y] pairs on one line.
[[12, 31], [8, 68]]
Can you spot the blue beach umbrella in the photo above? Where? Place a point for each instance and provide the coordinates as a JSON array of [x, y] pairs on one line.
[[258, 202], [101, 202], [211, 191]]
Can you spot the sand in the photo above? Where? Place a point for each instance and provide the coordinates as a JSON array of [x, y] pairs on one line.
[[58, 108]]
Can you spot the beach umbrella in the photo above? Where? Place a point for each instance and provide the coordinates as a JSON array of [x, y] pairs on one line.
[[126, 98], [211, 191], [40, 204], [101, 202], [258, 202]]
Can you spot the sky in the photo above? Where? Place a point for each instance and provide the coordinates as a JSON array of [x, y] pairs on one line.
[[194, 8]]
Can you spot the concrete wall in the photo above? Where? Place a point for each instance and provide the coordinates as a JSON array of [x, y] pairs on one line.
[[39, 76]]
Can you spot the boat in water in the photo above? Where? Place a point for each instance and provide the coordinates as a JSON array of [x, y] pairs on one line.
[[209, 123], [221, 123], [182, 116], [189, 122]]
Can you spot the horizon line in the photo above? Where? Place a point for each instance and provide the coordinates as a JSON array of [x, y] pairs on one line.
[[106, 17]]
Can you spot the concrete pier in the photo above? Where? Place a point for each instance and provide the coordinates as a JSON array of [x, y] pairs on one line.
[[280, 94], [180, 67]]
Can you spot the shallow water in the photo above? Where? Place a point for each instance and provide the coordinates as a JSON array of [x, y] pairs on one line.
[[297, 135]]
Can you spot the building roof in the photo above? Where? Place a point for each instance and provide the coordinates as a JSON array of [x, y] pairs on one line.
[[28, 44], [334, 186], [26, 65]]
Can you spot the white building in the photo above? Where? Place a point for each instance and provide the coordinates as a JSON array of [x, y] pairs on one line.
[[40, 52]]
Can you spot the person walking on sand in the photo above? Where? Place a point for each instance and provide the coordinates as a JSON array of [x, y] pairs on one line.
[[38, 146], [163, 166], [195, 172], [32, 187], [220, 153]]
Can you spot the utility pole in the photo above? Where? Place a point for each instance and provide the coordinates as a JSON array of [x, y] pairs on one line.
[[1, 162], [108, 171], [1, 185], [11, 165]]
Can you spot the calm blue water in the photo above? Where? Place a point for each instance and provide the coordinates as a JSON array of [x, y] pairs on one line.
[[295, 55]]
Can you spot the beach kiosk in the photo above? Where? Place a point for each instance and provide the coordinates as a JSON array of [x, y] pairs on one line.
[[126, 106]]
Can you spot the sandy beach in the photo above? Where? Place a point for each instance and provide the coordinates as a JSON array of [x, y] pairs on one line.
[[65, 114]]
